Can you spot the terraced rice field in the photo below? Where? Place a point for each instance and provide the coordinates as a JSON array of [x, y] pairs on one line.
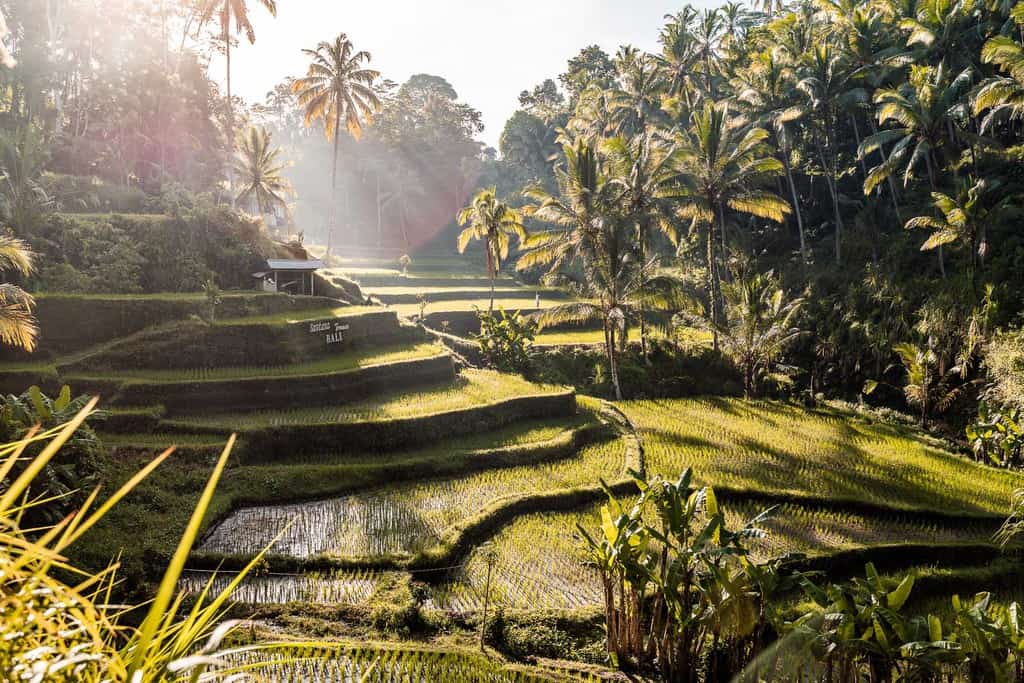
[[459, 305], [781, 448], [540, 561], [402, 518], [331, 588], [353, 664], [499, 289], [342, 362], [473, 388], [299, 316]]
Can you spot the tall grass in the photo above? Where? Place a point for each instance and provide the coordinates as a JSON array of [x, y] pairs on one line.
[[57, 620]]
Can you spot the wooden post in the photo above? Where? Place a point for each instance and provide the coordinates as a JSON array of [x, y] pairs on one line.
[[489, 557]]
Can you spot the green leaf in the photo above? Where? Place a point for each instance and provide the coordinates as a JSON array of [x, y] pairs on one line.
[[869, 387], [899, 596], [63, 399]]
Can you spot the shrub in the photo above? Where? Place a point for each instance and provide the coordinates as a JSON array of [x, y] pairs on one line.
[[505, 339], [65, 631], [997, 436], [63, 481]]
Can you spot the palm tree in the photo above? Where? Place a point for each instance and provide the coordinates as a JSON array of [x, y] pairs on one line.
[[494, 223], [23, 199], [679, 53], [964, 219], [17, 325], [643, 172], [1003, 96], [226, 10], [761, 327], [824, 82], [924, 111], [590, 232], [636, 103], [725, 166], [261, 173], [338, 88], [405, 195], [765, 95]]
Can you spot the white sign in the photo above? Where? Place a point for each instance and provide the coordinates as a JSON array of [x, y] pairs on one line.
[[334, 330]]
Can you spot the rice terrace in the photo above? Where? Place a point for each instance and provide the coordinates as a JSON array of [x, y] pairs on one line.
[[511, 342]]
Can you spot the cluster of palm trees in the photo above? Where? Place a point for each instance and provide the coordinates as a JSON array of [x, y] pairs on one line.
[[798, 118], [339, 89]]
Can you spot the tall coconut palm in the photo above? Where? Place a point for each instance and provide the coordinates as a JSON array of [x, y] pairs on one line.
[[260, 172], [494, 223], [924, 111], [643, 171], [636, 103], [964, 218], [725, 166], [586, 232], [225, 11], [824, 79], [338, 89], [17, 325], [762, 325], [765, 98], [1003, 96]]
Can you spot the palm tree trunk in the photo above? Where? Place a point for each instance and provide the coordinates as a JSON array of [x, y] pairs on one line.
[[613, 367], [380, 229], [641, 239], [892, 184], [830, 179], [333, 213], [931, 183], [490, 273], [231, 115], [796, 206], [712, 288]]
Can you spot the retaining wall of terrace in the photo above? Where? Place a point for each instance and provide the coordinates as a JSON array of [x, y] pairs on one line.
[[180, 398], [70, 323], [195, 344], [277, 443]]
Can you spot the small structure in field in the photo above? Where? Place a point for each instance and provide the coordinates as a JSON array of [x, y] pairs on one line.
[[291, 276]]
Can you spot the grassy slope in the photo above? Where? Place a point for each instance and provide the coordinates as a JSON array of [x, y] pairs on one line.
[[170, 493], [540, 557], [472, 388], [781, 448], [406, 517], [351, 360]]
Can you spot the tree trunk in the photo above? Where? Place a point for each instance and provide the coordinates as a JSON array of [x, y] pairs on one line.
[[612, 365], [889, 181], [231, 116], [712, 290], [491, 272], [796, 206], [333, 213], [830, 179], [931, 183], [380, 224]]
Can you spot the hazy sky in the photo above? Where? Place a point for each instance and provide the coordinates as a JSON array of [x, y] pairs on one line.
[[489, 50]]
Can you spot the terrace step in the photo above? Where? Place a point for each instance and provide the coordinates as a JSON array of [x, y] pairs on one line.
[[375, 280], [191, 344], [478, 401], [225, 395], [416, 511], [402, 295], [72, 322]]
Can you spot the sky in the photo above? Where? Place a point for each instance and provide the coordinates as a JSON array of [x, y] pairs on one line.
[[489, 50]]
